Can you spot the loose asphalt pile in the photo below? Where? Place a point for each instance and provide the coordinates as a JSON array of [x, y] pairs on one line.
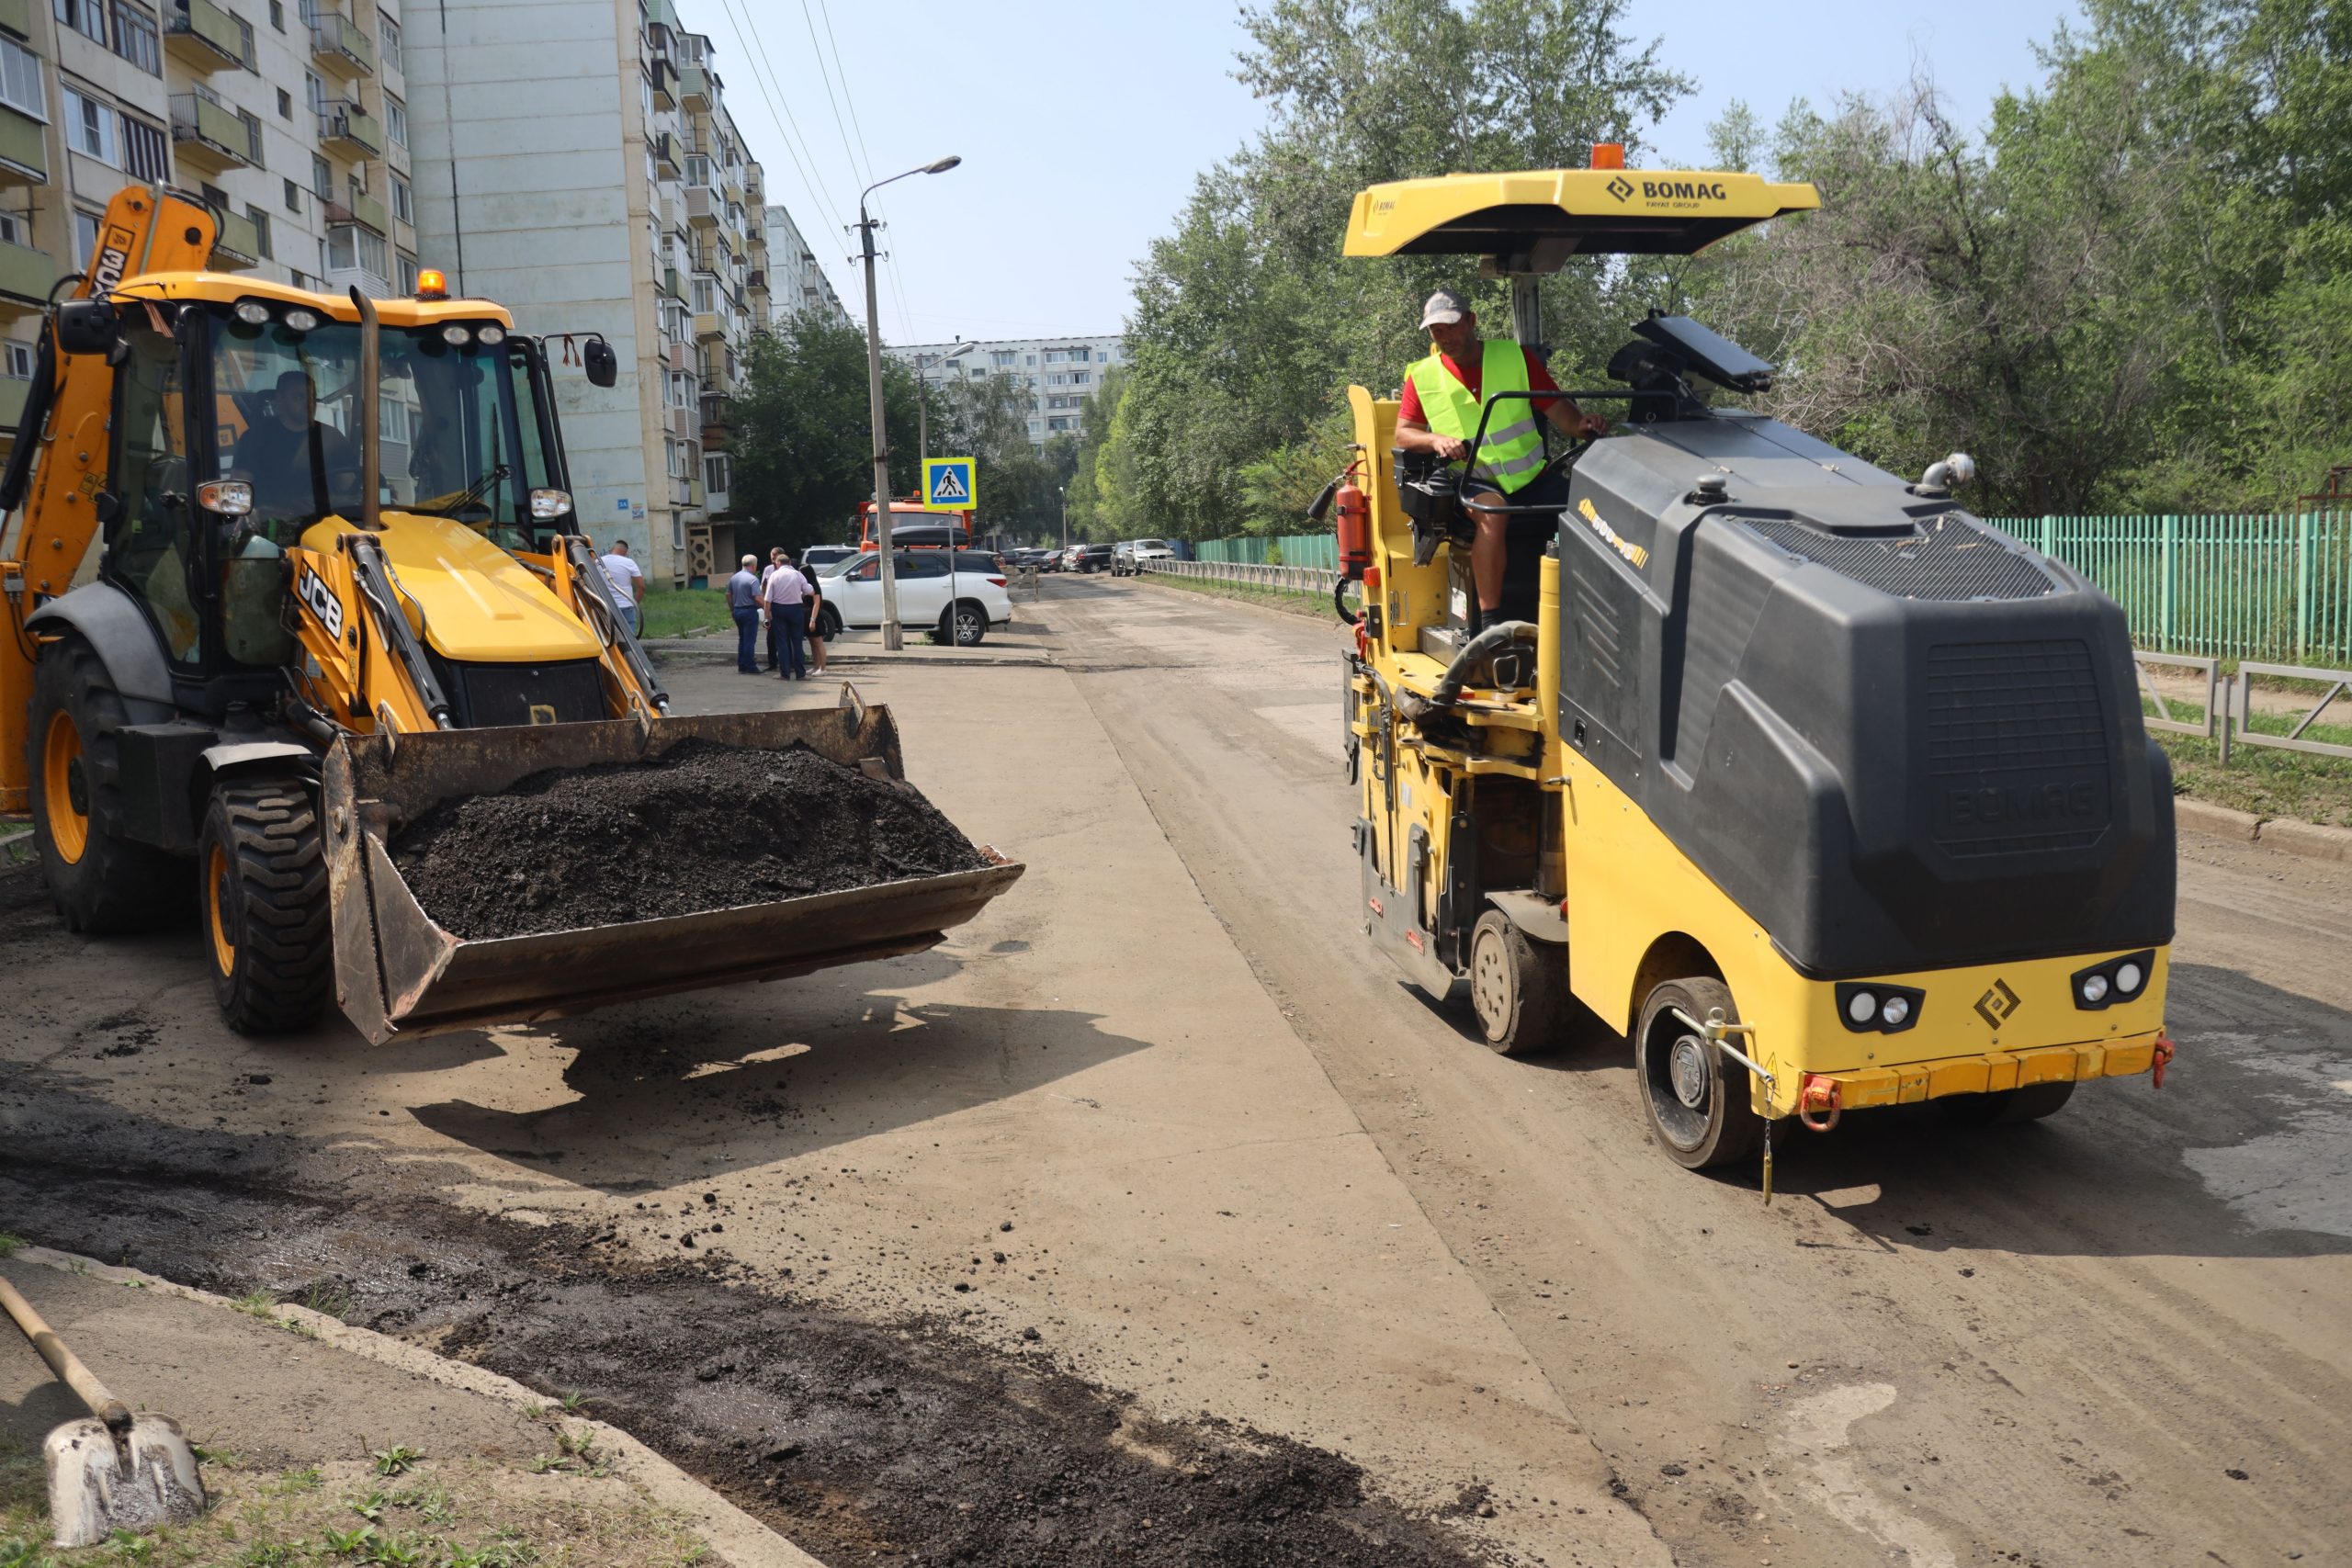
[[707, 826]]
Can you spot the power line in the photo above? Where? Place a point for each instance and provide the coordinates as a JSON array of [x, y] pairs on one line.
[[826, 11], [826, 75], [762, 73]]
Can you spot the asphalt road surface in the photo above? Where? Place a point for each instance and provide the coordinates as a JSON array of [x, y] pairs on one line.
[[1252, 1179]]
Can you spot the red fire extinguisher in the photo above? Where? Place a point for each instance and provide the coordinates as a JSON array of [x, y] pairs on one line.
[[1355, 530]]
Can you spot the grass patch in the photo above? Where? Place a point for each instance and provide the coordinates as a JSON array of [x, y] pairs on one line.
[[469, 1515], [1299, 602], [682, 612], [2260, 779], [8, 1243]]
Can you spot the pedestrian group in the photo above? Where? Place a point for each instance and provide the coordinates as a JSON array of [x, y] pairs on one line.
[[785, 601]]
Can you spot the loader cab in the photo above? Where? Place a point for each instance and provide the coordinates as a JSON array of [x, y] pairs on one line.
[[237, 426]]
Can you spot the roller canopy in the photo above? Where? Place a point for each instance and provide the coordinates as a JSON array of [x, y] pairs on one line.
[[1533, 220]]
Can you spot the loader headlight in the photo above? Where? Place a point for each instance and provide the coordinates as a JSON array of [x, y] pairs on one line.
[[303, 320], [226, 498], [2116, 981], [1869, 1008], [490, 335], [457, 336], [253, 312], [547, 505]]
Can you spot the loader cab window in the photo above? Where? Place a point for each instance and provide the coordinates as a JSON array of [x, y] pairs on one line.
[[285, 409], [148, 543], [477, 444]]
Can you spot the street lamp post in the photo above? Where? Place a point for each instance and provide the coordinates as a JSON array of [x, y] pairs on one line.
[[892, 638], [1064, 490]]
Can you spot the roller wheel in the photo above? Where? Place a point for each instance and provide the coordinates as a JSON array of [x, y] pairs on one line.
[[2007, 1107], [1518, 987], [100, 881], [1695, 1096], [264, 873]]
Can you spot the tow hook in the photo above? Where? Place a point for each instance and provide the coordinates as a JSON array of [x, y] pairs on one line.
[[2164, 1054], [1820, 1092]]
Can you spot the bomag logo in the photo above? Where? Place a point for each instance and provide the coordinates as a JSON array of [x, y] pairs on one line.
[[1620, 187], [1665, 190], [1997, 1005], [2054, 801]]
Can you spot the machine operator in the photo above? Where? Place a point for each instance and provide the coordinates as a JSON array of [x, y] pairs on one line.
[[292, 458], [1444, 396]]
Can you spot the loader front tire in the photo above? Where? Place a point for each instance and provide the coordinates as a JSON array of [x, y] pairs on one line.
[[1518, 987], [267, 919], [101, 882], [1694, 1097]]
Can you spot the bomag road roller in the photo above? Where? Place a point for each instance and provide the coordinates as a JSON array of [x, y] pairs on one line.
[[337, 581], [1828, 793]]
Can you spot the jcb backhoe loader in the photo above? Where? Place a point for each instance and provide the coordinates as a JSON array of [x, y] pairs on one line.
[[1828, 793], [339, 581]]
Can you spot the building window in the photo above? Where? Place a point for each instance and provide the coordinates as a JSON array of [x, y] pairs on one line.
[[396, 120], [15, 230], [20, 364], [89, 127], [87, 18], [404, 201], [293, 198], [392, 421], [244, 42], [86, 237], [20, 86], [1078, 377], [146, 151], [351, 248], [277, 14], [390, 31], [135, 38], [714, 472], [706, 296], [1053, 356], [261, 230], [314, 90], [322, 178], [1032, 362], [284, 103]]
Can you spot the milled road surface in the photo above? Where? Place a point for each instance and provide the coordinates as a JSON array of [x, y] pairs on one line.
[[2114, 1337], [1251, 1174]]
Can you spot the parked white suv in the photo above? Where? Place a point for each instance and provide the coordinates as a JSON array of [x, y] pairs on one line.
[[956, 594]]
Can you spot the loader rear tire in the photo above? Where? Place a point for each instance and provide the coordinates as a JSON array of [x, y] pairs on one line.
[[266, 919], [1694, 1097], [2008, 1107], [1518, 987], [100, 881]]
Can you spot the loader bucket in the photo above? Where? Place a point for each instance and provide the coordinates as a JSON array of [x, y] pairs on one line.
[[397, 972]]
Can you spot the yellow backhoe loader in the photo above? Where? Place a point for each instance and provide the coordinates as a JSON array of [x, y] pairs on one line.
[[338, 581], [1825, 792]]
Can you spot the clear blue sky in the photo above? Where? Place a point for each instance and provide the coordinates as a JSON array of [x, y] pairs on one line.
[[1081, 125]]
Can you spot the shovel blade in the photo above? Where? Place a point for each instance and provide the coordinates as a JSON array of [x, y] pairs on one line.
[[97, 1486]]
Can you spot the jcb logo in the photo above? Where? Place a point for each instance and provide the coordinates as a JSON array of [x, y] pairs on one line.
[[112, 262], [322, 600]]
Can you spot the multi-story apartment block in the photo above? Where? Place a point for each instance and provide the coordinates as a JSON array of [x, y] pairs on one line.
[[1059, 374], [796, 283], [290, 116], [596, 183]]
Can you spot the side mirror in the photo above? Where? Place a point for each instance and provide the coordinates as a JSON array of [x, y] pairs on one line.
[[87, 326], [603, 365]]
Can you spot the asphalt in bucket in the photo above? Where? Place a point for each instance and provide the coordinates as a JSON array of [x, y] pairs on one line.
[[707, 826]]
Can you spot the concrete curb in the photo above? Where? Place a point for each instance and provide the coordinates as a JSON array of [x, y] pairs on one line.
[[2313, 840], [735, 1535]]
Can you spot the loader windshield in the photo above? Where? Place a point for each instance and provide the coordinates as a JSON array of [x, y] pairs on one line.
[[458, 424]]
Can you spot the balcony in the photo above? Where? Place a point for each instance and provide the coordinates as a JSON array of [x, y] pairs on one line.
[[682, 424], [665, 83], [702, 207], [665, 156], [672, 284], [755, 281], [238, 245], [362, 209], [718, 417], [25, 277], [17, 15], [694, 87], [337, 43], [24, 151], [203, 37], [213, 137], [12, 402], [350, 131]]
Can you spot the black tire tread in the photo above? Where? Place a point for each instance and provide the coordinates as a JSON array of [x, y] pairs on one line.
[[119, 885], [1540, 974], [285, 968], [1742, 1129]]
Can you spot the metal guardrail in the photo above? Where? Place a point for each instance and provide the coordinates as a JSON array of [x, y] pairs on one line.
[[2337, 680], [2228, 702], [2209, 668], [1288, 578]]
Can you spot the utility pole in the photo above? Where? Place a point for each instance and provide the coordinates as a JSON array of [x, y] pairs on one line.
[[892, 638], [1064, 490]]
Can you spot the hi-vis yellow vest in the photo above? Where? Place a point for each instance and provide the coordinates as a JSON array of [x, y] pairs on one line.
[[1512, 451]]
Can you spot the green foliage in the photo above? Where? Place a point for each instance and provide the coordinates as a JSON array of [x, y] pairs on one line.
[[397, 1459], [804, 448]]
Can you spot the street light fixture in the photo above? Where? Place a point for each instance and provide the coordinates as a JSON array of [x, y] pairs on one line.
[[923, 398], [892, 638]]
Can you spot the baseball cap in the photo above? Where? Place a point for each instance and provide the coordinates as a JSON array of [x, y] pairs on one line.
[[1446, 307]]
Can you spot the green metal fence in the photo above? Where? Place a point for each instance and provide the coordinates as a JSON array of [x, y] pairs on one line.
[[2248, 586], [2276, 586]]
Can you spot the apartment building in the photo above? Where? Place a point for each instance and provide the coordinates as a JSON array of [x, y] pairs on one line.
[[1058, 373], [290, 116], [797, 282]]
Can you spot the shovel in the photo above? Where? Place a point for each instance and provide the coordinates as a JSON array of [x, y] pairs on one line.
[[118, 1471]]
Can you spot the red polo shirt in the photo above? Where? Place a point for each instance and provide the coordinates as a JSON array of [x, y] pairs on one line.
[[1539, 379]]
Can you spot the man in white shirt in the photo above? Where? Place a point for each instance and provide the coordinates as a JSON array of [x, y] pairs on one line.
[[743, 603], [625, 577], [786, 594]]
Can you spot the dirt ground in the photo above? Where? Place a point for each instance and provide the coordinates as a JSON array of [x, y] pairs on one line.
[[1273, 1219]]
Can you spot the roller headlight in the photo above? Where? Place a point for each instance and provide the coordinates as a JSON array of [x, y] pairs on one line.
[[2093, 988], [1865, 1007], [2116, 981], [303, 320], [2128, 976], [253, 312], [1895, 1012], [457, 336], [490, 335], [1861, 1007]]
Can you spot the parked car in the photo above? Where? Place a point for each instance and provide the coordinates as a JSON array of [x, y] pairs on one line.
[[817, 558], [1071, 557], [1142, 550], [1093, 558], [958, 595]]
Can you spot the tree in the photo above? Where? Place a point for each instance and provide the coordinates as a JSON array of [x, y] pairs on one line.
[[804, 451]]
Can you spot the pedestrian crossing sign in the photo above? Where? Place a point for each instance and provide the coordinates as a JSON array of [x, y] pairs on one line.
[[947, 481]]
